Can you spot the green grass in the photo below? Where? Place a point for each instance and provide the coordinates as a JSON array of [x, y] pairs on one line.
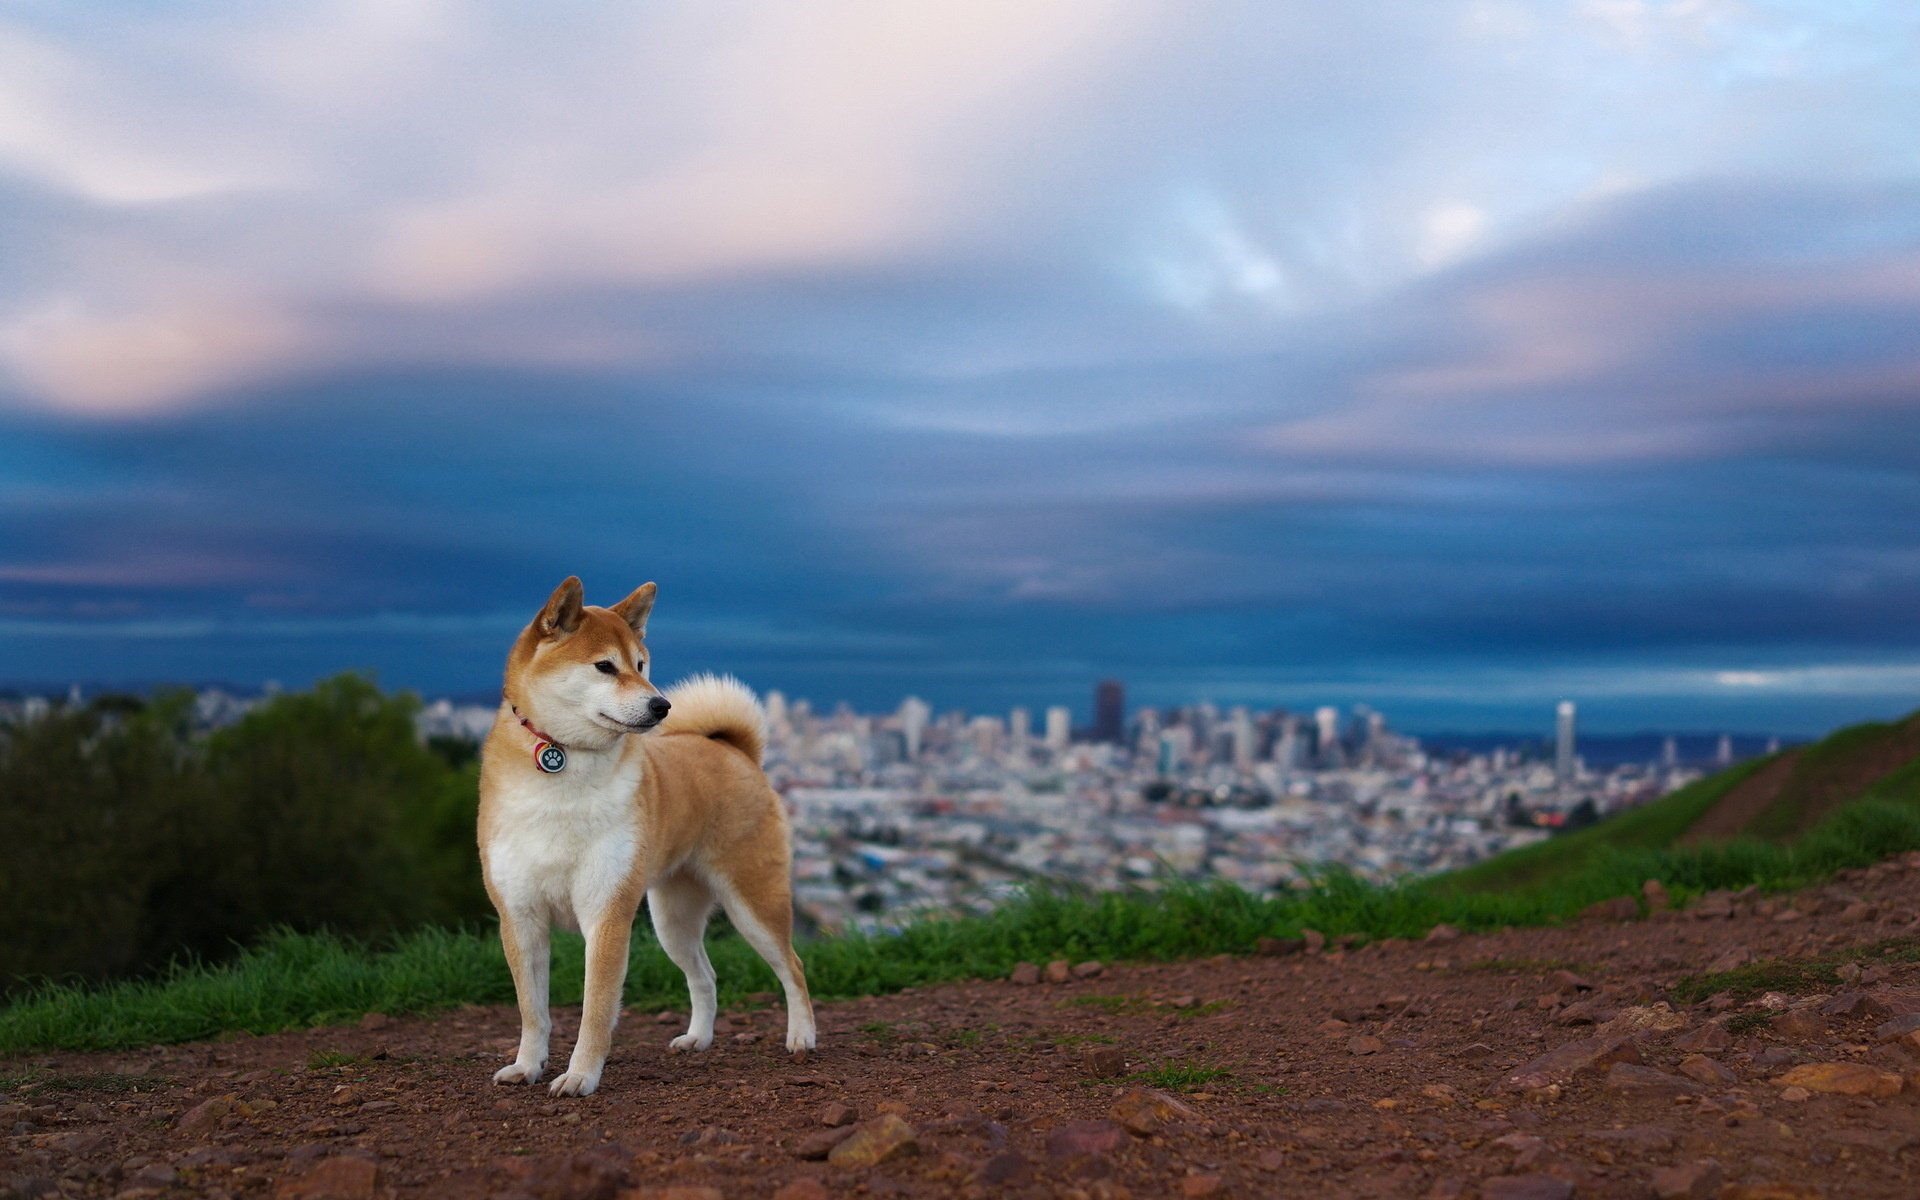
[[292, 981], [1747, 1022], [1177, 1076], [1651, 826], [1814, 770], [1794, 975], [321, 1060]]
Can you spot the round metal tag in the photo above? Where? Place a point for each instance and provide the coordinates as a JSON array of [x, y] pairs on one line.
[[550, 758]]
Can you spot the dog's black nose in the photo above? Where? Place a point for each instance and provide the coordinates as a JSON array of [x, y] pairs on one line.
[[658, 706]]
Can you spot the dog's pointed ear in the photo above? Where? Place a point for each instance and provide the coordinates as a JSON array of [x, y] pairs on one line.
[[634, 609], [561, 616]]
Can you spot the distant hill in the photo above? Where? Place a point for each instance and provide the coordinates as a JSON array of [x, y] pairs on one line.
[[1778, 798]]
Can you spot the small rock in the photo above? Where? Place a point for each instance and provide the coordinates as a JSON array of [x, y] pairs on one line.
[[1025, 974], [1789, 914], [1314, 939], [1003, 1170], [1145, 1112], [205, 1117], [1089, 969], [1845, 1004], [1655, 894], [1732, 960], [1273, 947], [1104, 1062], [1566, 982], [375, 1020], [1705, 1070], [338, 1178], [838, 1116], [1843, 1079], [1442, 933], [1710, 1038], [883, 1138], [1619, 908], [1799, 1024], [679, 1191], [1526, 1187], [1584, 1012], [1080, 1138], [1897, 1028], [1699, 1180], [1563, 1062], [1632, 1077], [820, 1143], [1795, 1094], [1201, 1185], [806, 1188], [1058, 971]]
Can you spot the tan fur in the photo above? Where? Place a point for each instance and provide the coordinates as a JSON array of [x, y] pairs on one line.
[[680, 813]]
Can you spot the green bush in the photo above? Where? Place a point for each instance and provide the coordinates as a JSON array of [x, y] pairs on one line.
[[126, 841]]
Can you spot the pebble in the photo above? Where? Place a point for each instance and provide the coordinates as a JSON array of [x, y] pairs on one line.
[[838, 1116], [1145, 1112], [1025, 974], [338, 1178], [1843, 1079], [1699, 1180], [1201, 1185], [1083, 1138], [808, 1188], [1709, 1038], [1705, 1070], [1563, 1062], [205, 1117], [883, 1138], [1365, 1044], [1632, 1077], [1058, 971], [1090, 969], [1534, 1186], [1104, 1062]]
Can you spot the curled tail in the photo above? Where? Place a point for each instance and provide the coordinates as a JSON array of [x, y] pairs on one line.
[[718, 707]]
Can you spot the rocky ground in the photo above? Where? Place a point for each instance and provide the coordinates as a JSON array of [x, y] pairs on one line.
[[1528, 1063]]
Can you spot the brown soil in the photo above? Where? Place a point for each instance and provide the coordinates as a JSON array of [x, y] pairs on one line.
[[1838, 783], [1380, 1072], [1735, 811]]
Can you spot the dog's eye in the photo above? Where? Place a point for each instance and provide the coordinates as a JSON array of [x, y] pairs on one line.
[[641, 666], [606, 667]]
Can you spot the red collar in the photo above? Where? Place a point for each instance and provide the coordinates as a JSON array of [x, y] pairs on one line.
[[548, 755], [528, 726]]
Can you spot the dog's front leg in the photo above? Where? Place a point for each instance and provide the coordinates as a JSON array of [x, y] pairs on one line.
[[527, 941], [607, 942]]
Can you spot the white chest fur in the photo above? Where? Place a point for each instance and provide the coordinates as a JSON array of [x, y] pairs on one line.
[[562, 845]]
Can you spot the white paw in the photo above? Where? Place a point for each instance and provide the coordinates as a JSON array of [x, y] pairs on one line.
[[575, 1083], [800, 1040], [519, 1072], [689, 1041]]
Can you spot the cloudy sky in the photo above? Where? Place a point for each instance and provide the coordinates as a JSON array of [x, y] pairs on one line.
[[1455, 357]]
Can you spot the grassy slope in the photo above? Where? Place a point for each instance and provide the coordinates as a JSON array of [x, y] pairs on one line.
[[293, 981], [1650, 826], [1846, 752]]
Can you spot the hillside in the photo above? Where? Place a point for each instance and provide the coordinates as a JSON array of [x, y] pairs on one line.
[[1784, 799], [1747, 1047]]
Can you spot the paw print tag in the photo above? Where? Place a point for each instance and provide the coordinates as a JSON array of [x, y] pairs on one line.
[[550, 758]]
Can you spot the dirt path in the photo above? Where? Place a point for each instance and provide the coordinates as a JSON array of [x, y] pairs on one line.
[[1389, 1071], [1735, 811]]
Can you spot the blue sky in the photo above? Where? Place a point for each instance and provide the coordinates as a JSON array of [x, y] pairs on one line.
[[1453, 357]]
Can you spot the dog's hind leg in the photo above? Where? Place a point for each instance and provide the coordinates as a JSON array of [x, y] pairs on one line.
[[680, 907], [762, 910]]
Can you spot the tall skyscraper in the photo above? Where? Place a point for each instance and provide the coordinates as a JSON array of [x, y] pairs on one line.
[[913, 722], [1109, 712], [1670, 753], [1240, 722], [1326, 728], [1019, 730], [1059, 728], [1564, 742]]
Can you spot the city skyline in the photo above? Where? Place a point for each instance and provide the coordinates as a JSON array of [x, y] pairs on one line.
[[1452, 356]]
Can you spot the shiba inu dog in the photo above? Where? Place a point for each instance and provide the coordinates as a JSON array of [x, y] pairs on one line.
[[597, 789]]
